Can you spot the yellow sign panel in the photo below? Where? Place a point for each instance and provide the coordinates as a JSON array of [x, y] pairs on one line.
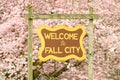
[[61, 43]]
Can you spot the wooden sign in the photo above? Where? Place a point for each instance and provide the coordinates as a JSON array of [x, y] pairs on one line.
[[61, 43]]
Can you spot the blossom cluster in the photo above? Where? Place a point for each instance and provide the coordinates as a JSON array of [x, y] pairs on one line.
[[14, 35]]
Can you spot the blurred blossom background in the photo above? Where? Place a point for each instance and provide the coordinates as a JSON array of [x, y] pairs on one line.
[[14, 35]]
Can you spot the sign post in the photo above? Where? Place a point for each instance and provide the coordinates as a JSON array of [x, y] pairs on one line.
[[30, 45], [90, 51], [32, 16]]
